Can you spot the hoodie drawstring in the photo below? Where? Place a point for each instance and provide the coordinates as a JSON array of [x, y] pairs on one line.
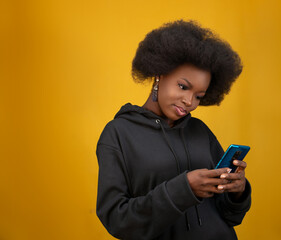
[[198, 216], [178, 167], [165, 136], [187, 222], [186, 150], [189, 168]]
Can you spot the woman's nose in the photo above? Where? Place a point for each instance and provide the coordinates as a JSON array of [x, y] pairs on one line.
[[187, 100]]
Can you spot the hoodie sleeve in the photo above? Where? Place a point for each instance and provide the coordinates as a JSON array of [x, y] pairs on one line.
[[232, 212], [141, 217]]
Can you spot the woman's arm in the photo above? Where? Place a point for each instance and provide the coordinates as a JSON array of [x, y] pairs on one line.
[[141, 217], [236, 199]]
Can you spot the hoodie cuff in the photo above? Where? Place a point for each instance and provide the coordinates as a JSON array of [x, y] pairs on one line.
[[180, 192], [245, 201]]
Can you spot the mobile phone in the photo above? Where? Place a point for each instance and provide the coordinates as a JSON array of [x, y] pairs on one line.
[[233, 152]]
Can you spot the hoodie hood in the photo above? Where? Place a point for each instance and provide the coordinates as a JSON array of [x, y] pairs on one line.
[[143, 116]]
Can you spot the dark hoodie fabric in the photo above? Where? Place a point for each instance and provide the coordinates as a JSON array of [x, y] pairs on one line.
[[143, 191]]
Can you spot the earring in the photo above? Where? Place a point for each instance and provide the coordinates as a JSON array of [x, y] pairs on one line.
[[155, 90]]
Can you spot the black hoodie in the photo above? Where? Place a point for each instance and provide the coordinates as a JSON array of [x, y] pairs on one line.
[[143, 191]]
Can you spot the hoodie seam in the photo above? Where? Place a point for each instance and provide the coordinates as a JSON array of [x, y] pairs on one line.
[[125, 165], [112, 147]]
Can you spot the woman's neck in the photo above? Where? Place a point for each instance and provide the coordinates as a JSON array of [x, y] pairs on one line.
[[155, 108]]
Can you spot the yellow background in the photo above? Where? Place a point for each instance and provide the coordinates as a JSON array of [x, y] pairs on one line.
[[65, 71]]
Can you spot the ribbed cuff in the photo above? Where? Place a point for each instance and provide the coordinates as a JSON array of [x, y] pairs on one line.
[[180, 192], [245, 200]]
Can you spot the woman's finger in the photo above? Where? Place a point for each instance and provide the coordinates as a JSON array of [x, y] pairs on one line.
[[235, 186], [240, 164], [215, 172], [233, 176]]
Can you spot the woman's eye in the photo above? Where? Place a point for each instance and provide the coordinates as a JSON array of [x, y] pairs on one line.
[[182, 86], [199, 97]]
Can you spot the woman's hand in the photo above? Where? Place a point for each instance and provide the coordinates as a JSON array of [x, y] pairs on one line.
[[236, 181], [204, 183]]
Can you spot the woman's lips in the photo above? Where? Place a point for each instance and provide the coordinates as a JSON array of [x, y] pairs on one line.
[[180, 111]]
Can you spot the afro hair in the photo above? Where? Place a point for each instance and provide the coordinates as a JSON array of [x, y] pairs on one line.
[[180, 42]]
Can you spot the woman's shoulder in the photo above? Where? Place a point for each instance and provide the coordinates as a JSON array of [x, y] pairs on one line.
[[112, 126], [110, 135], [198, 123]]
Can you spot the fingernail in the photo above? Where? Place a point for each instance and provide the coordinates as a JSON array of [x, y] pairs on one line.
[[220, 187], [235, 161], [223, 176], [229, 170]]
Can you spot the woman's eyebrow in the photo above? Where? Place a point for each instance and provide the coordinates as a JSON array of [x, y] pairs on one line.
[[190, 85]]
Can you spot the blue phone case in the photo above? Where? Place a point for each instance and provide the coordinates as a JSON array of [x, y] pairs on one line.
[[233, 152]]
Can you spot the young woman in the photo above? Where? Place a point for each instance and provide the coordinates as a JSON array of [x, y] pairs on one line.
[[156, 162]]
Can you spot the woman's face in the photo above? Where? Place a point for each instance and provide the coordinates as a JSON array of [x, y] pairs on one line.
[[180, 91]]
